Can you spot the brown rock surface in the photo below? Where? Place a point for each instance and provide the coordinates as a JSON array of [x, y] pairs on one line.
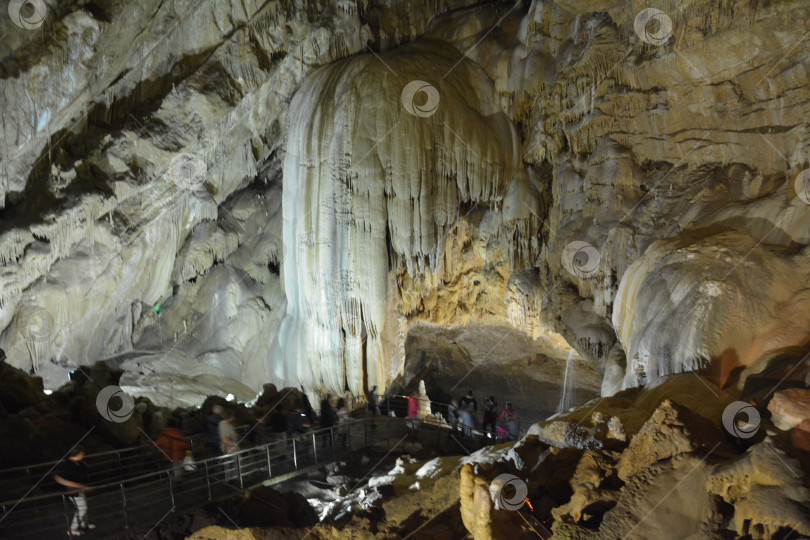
[[666, 501], [675, 162], [591, 497], [478, 512], [765, 487], [671, 430], [790, 408], [215, 532]]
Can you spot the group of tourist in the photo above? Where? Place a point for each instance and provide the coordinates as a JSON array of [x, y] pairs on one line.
[[335, 417], [461, 416], [223, 439], [461, 413]]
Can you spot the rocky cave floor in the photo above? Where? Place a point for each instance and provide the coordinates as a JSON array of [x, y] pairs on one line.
[[646, 463]]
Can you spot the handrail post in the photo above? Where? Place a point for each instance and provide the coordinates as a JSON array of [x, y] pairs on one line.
[[239, 471], [124, 505], [295, 455], [365, 431], [332, 438], [269, 468], [314, 448], [207, 479], [120, 466], [171, 490]]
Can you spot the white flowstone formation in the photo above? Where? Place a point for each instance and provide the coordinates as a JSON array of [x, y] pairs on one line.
[[689, 300], [369, 186], [539, 168]]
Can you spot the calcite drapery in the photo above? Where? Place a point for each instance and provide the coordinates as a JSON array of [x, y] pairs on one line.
[[374, 174]]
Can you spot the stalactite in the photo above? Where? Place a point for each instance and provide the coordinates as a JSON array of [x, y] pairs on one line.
[[357, 168]]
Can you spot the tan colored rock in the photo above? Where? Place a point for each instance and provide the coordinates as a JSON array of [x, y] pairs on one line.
[[671, 430], [476, 505], [589, 497], [215, 532], [765, 487], [570, 531], [665, 501], [790, 408], [563, 434], [478, 512]]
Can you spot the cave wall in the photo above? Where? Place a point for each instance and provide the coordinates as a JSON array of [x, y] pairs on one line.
[[633, 192]]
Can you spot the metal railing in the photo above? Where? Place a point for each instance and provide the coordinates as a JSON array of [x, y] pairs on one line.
[[103, 467], [148, 498]]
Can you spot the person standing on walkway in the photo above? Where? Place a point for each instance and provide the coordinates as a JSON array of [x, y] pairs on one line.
[[327, 414], [227, 434], [373, 402], [453, 415], [327, 420], [510, 420], [228, 444], [490, 416], [212, 428], [413, 407], [342, 419], [298, 420], [174, 446], [468, 409], [72, 476], [260, 434]]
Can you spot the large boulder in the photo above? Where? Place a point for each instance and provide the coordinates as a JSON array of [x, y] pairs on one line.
[[765, 488], [594, 493], [665, 501], [790, 408], [670, 431], [479, 513]]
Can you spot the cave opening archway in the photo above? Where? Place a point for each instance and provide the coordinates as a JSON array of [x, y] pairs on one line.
[[490, 360]]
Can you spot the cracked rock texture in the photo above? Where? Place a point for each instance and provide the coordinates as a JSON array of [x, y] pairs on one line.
[[217, 195]]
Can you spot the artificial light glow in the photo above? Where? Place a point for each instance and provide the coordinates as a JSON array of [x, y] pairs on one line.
[[48, 392], [229, 397]]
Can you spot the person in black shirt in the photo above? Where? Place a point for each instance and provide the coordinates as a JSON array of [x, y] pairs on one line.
[[327, 415], [373, 402], [468, 403], [298, 419], [490, 416], [72, 476]]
